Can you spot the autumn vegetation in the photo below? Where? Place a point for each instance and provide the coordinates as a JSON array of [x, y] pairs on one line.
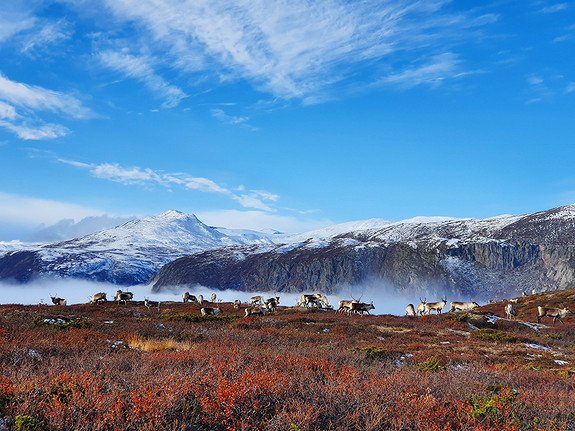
[[124, 367]]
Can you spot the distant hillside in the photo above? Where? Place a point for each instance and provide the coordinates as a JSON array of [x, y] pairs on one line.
[[483, 258]]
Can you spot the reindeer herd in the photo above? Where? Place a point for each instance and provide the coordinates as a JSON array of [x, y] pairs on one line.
[[257, 305]]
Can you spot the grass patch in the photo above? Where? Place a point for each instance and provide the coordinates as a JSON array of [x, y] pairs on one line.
[[497, 336], [432, 364], [459, 317], [156, 345], [371, 352]]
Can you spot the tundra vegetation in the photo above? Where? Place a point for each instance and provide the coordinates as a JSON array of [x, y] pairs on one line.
[[123, 367]]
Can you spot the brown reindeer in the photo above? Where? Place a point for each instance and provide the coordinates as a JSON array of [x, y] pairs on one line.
[[435, 306], [555, 313], [98, 297]]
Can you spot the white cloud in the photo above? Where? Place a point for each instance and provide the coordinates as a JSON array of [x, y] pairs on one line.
[[534, 80], [37, 98], [141, 68], [570, 87], [439, 68], [145, 176], [260, 220], [554, 8], [20, 103], [43, 131], [15, 16], [296, 48], [50, 33], [23, 213]]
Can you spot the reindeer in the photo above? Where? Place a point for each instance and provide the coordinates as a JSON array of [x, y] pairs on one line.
[[210, 311], [189, 297], [410, 310], [322, 300], [237, 304], [272, 303], [256, 300], [98, 297], [58, 301], [437, 306], [361, 307], [149, 304], [555, 313], [308, 300], [462, 306], [201, 299], [422, 307], [345, 305], [256, 310], [514, 300], [213, 297], [123, 297], [510, 310], [492, 301]]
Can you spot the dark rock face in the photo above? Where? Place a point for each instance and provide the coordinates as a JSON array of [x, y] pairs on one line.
[[475, 258]]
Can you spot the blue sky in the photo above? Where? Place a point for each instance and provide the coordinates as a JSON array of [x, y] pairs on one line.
[[284, 114]]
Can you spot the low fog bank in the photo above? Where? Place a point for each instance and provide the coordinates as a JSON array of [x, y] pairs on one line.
[[386, 299]]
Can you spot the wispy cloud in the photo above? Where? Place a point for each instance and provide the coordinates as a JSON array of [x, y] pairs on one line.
[[439, 68], [144, 176], [298, 49], [554, 8], [221, 115], [20, 104], [15, 17], [141, 68], [37, 98], [49, 34]]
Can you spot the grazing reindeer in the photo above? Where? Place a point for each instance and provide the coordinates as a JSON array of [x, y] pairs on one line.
[[361, 307], [492, 301], [309, 300], [213, 297], [322, 300], [256, 310], [256, 300], [188, 297], [58, 301], [462, 306], [510, 310], [272, 303], [555, 313], [345, 305], [514, 300], [410, 310], [237, 304], [422, 307], [149, 304], [437, 306], [210, 311], [123, 296], [98, 297]]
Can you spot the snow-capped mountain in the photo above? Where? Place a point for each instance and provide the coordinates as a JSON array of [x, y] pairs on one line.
[[490, 257], [480, 257], [126, 254]]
